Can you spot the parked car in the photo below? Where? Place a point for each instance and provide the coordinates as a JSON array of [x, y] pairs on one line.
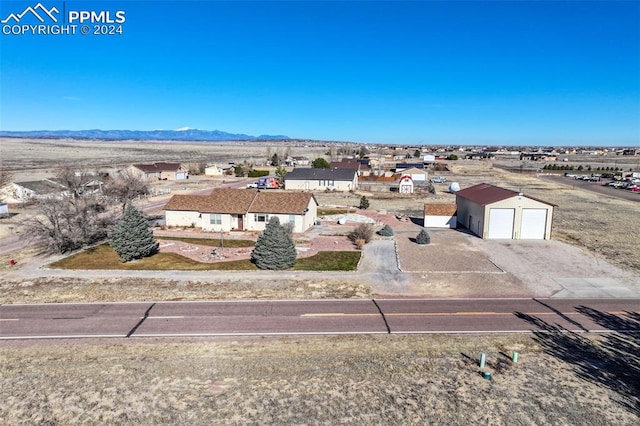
[[252, 185], [438, 179]]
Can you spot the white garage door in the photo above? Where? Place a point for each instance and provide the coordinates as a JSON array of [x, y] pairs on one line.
[[534, 223], [501, 223], [181, 175]]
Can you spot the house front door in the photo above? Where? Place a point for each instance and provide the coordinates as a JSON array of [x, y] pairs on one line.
[[240, 223]]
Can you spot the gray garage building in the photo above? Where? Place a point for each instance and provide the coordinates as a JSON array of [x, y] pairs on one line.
[[491, 212]]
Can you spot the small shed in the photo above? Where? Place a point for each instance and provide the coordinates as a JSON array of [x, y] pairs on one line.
[[491, 212], [441, 215], [406, 185]]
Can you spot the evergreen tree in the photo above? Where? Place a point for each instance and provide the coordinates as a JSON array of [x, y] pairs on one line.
[[364, 203], [275, 248], [131, 237], [423, 237], [386, 231], [320, 163]]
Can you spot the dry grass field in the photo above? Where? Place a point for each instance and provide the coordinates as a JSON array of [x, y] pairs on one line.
[[560, 379], [317, 380]]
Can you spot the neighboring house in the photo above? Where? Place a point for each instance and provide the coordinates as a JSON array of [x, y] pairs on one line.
[[213, 170], [362, 166], [321, 179], [22, 192], [300, 161], [491, 212], [406, 185], [241, 210], [440, 216], [159, 171], [418, 175], [401, 167]]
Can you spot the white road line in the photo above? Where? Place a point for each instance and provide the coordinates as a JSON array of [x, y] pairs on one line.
[[9, 319], [71, 336]]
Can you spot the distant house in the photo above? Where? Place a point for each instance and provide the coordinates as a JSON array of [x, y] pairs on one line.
[[159, 171], [400, 167], [213, 170], [23, 192], [491, 212], [440, 216], [300, 161], [363, 166], [321, 179], [243, 210], [418, 175]]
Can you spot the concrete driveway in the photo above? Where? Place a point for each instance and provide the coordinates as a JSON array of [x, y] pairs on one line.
[[460, 264]]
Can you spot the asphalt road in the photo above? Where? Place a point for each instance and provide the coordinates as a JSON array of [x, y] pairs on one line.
[[597, 187], [322, 317]]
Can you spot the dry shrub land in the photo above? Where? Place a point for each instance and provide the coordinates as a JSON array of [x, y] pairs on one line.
[[327, 380]]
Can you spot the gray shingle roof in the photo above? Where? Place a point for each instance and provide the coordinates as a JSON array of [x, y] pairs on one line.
[[321, 174]]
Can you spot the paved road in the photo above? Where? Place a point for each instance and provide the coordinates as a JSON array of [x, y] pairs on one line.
[[597, 187], [324, 317]]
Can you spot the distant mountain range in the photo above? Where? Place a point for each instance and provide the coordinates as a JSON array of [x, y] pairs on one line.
[[185, 134]]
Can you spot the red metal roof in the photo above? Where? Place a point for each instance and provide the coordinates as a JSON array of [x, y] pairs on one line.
[[484, 193]]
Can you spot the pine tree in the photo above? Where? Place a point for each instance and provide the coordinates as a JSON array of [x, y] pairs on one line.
[[423, 237], [275, 248], [131, 237]]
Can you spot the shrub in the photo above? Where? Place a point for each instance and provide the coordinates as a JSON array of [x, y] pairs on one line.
[[364, 232], [423, 237], [364, 203], [386, 231], [258, 173]]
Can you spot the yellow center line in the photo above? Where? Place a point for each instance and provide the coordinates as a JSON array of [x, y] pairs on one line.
[[435, 314]]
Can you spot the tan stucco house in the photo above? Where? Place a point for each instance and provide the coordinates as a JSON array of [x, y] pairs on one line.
[[159, 171], [242, 210], [491, 212]]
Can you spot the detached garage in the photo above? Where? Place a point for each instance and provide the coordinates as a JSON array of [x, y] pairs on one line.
[[491, 212]]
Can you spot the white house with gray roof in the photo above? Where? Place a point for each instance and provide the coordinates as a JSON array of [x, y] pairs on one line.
[[321, 179]]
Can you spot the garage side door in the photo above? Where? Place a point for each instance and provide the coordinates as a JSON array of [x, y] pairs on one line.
[[501, 223], [534, 223]]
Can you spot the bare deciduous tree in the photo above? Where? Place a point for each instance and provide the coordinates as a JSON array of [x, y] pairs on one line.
[[125, 188], [65, 224], [76, 181]]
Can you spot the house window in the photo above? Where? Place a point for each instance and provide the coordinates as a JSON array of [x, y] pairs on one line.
[[261, 217], [322, 183], [292, 219], [215, 219], [331, 183]]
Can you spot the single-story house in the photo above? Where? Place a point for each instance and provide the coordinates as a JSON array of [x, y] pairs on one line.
[[401, 167], [213, 170], [491, 212], [159, 171], [321, 179], [300, 161], [22, 192], [440, 216], [242, 210], [419, 175]]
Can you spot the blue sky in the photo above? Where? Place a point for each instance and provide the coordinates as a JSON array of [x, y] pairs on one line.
[[512, 72]]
